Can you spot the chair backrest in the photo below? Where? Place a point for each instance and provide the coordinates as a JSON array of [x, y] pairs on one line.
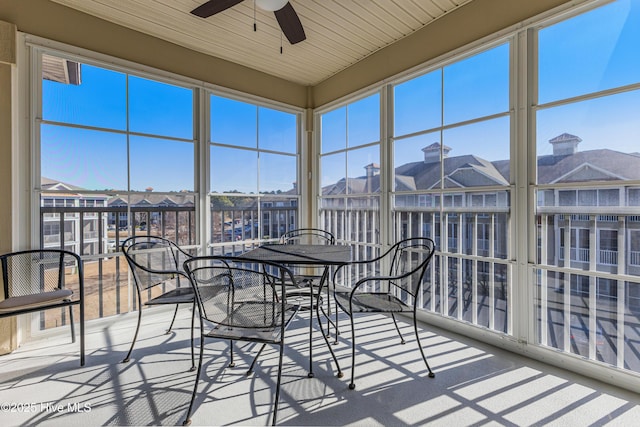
[[408, 260], [308, 236], [239, 293], [399, 270], [37, 271], [155, 260]]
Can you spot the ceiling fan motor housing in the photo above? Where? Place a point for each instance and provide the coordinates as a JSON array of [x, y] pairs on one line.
[[271, 5]]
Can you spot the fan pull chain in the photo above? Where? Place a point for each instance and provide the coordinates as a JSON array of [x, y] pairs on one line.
[[280, 42], [255, 26]]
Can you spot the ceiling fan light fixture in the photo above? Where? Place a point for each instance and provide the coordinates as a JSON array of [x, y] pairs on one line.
[[286, 16], [271, 5]]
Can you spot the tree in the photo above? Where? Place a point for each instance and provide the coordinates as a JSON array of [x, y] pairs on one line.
[[221, 202]]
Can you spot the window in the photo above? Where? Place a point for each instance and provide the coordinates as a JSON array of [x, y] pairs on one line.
[[608, 247], [634, 247], [586, 134], [107, 140], [580, 285], [449, 135], [254, 171], [87, 119], [580, 245], [451, 128], [350, 179], [634, 197], [117, 157]]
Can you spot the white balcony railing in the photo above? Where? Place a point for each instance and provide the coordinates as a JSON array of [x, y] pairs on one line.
[[608, 257], [576, 254]]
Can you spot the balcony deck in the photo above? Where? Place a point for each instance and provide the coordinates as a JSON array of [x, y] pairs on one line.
[[475, 383]]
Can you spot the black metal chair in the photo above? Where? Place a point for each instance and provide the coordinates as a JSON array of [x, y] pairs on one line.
[[307, 236], [309, 281], [242, 301], [394, 292], [156, 265], [43, 279]]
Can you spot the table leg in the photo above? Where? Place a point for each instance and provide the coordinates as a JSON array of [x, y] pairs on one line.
[[325, 277], [311, 298]]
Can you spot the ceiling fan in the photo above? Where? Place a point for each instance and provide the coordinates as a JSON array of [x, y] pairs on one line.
[[285, 14]]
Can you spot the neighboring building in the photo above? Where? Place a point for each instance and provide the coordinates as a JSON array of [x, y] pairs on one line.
[[62, 220], [151, 203], [595, 223], [91, 222], [248, 217], [589, 228]]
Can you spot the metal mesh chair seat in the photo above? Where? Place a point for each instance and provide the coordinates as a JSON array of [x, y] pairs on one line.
[[244, 300], [371, 302], [396, 291], [174, 296], [252, 321]]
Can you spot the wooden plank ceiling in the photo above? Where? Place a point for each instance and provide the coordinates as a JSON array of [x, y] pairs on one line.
[[339, 32]]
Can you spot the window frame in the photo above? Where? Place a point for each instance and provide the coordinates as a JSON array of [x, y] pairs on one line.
[[524, 235]]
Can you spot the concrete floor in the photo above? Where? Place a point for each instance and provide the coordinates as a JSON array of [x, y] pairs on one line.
[[42, 383]]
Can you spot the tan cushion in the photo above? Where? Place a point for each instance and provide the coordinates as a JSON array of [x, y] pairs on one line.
[[34, 300]]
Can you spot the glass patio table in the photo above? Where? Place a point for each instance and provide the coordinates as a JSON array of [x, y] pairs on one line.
[[323, 256]]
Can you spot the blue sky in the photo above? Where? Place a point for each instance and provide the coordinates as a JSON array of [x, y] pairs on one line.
[[594, 51]]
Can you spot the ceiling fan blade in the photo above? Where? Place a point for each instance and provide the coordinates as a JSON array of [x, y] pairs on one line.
[[214, 6], [290, 24]]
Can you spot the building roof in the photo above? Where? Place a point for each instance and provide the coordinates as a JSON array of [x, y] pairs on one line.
[[53, 188], [472, 171], [564, 138], [592, 165]]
